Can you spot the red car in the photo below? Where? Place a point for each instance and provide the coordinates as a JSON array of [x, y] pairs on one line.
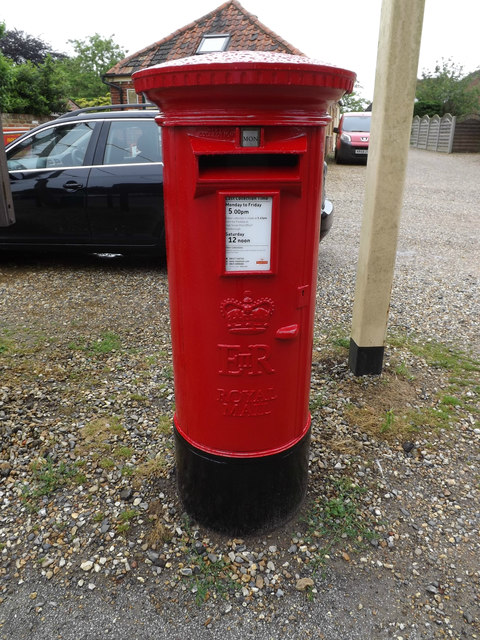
[[353, 136]]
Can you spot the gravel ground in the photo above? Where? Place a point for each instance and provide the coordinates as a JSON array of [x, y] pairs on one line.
[[93, 541]]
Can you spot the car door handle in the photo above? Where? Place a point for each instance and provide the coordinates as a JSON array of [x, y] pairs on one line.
[[71, 185]]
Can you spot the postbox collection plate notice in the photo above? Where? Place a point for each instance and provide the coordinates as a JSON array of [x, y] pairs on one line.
[[248, 233]]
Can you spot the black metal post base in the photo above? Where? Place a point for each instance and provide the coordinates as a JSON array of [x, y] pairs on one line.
[[241, 496], [364, 361]]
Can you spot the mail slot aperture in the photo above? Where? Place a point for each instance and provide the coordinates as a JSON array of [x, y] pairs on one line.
[[254, 166]]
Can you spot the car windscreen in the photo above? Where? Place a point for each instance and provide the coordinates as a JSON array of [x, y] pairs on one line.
[[356, 123]]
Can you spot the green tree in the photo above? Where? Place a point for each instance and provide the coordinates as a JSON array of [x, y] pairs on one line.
[[53, 85], [354, 102], [26, 86], [38, 89], [93, 57], [20, 47], [43, 84], [446, 90], [6, 83], [6, 77]]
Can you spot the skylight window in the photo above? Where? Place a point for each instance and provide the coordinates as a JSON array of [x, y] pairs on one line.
[[214, 42]]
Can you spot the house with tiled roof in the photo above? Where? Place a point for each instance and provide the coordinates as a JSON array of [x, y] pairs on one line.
[[230, 27]]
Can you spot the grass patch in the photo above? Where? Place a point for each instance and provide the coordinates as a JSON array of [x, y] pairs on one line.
[[462, 373], [402, 423], [210, 577], [123, 453], [339, 518], [430, 417], [383, 410], [339, 514], [450, 401], [48, 477], [158, 535], [403, 371], [317, 401], [342, 343], [136, 397], [127, 472], [127, 515], [78, 345], [100, 428], [149, 471], [388, 421], [100, 437], [439, 355], [107, 464], [152, 468], [102, 440], [164, 425], [106, 343], [335, 342], [168, 372], [5, 344], [24, 342], [407, 399], [125, 519]]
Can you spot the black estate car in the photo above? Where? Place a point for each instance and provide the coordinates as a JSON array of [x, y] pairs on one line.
[[92, 181]]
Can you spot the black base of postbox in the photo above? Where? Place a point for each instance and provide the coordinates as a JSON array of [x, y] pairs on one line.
[[241, 496]]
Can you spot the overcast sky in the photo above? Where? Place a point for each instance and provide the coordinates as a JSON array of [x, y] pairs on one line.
[[343, 32]]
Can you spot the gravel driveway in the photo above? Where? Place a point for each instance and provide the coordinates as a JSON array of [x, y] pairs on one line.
[[93, 542], [437, 269]]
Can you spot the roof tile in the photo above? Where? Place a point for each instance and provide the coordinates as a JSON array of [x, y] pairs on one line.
[[247, 33]]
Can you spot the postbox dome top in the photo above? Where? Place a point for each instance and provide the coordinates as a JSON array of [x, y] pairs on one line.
[[234, 57], [249, 60], [256, 80]]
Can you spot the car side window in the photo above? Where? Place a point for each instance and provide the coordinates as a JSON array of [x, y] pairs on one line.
[[131, 142], [58, 146]]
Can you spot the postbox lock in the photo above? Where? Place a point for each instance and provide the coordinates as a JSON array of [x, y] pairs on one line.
[[250, 136]]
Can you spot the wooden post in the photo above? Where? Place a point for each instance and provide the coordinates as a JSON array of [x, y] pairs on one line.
[[394, 94]]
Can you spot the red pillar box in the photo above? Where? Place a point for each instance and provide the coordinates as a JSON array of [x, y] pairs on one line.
[[243, 140]]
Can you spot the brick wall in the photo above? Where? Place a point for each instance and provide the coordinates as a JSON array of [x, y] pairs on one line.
[[22, 120], [118, 97]]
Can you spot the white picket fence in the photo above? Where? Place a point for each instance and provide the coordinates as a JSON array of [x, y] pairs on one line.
[[433, 133]]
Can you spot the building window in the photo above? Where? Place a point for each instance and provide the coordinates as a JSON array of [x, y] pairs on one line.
[[133, 97], [214, 42]]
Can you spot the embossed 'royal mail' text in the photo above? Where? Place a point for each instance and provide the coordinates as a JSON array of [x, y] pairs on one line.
[[240, 403]]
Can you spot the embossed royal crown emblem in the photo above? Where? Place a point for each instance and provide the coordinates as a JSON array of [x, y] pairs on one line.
[[247, 315]]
